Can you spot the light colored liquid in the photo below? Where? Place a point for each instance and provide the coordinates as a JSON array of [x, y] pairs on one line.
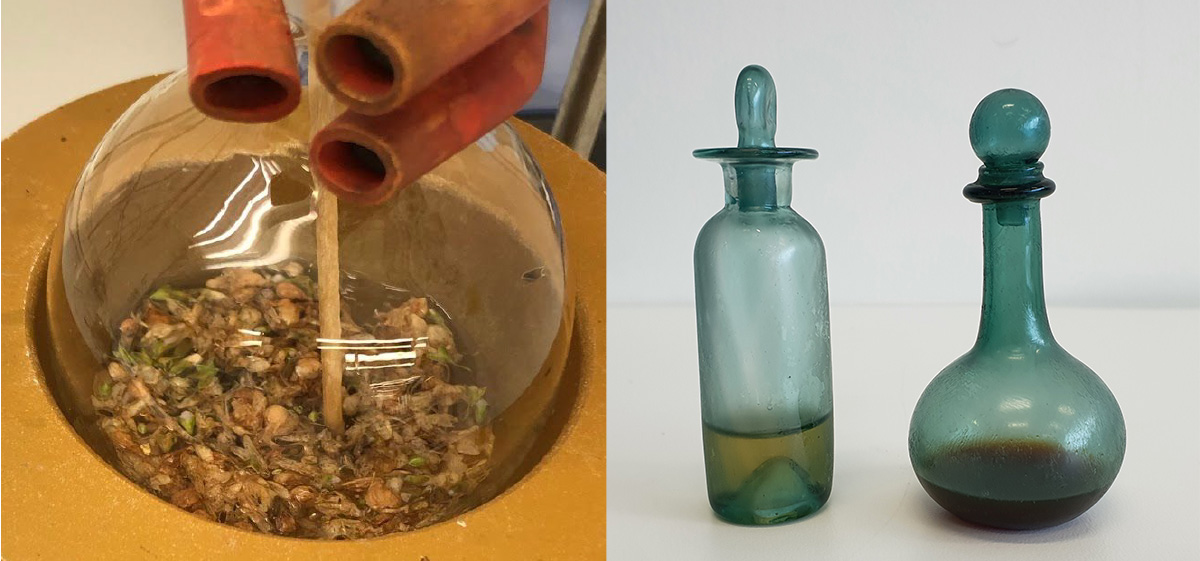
[[769, 478]]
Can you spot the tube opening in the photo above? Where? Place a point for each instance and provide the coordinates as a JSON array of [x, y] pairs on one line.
[[361, 67], [352, 166], [245, 93]]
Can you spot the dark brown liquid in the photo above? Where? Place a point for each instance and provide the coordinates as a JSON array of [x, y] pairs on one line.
[[1016, 485]]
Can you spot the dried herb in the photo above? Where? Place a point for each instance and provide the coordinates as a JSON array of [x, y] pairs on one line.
[[212, 398]]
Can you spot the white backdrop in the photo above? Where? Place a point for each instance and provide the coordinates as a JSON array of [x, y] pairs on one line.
[[884, 90], [54, 51]]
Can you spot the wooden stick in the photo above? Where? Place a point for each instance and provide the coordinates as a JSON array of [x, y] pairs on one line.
[[329, 281], [330, 309]]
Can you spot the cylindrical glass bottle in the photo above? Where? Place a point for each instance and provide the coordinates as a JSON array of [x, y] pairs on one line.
[[763, 323], [1016, 433]]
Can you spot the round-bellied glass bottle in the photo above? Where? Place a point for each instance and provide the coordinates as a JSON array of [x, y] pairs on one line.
[[1016, 433], [762, 311]]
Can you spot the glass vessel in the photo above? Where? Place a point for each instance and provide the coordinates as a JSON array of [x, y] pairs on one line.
[[762, 315], [1017, 433], [459, 277]]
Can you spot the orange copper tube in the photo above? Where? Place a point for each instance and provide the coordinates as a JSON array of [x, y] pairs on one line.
[[381, 53], [241, 59], [365, 159]]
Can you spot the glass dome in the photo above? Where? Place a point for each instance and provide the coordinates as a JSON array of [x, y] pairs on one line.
[[188, 259]]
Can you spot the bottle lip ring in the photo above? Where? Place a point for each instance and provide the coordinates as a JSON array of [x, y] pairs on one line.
[[755, 154], [978, 193]]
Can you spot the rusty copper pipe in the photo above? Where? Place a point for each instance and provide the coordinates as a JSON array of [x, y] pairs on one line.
[[365, 159], [381, 53], [241, 59]]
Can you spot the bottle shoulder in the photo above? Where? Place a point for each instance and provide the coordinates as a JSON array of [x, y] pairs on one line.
[[999, 373], [781, 225], [782, 219]]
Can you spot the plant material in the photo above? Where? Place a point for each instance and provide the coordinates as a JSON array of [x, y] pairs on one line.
[[212, 401]]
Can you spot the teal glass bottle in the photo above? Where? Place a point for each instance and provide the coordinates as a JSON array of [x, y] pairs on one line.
[[762, 312], [1017, 433]]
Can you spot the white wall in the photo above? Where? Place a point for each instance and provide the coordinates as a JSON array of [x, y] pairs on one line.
[[884, 91], [54, 51]]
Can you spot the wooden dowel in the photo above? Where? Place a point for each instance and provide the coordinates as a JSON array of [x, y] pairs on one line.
[[330, 309], [329, 281]]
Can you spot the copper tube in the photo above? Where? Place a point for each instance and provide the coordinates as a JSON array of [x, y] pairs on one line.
[[241, 59], [364, 159], [381, 53]]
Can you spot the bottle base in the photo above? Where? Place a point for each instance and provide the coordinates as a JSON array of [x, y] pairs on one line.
[[764, 479], [746, 510], [1012, 515], [1014, 485]]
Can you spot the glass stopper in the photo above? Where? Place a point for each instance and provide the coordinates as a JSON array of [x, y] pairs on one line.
[[754, 107], [1010, 129], [754, 102]]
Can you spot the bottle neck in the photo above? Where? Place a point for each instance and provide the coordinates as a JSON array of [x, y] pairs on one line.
[[758, 186], [1014, 304]]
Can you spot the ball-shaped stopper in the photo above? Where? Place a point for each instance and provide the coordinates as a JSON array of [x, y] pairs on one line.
[[1009, 129]]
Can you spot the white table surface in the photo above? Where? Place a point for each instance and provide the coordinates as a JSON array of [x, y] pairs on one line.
[[883, 358]]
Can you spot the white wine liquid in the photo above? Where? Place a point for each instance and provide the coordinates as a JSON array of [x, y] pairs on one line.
[[769, 478]]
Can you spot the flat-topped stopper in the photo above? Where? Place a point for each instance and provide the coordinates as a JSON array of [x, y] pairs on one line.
[[754, 102], [1010, 129]]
